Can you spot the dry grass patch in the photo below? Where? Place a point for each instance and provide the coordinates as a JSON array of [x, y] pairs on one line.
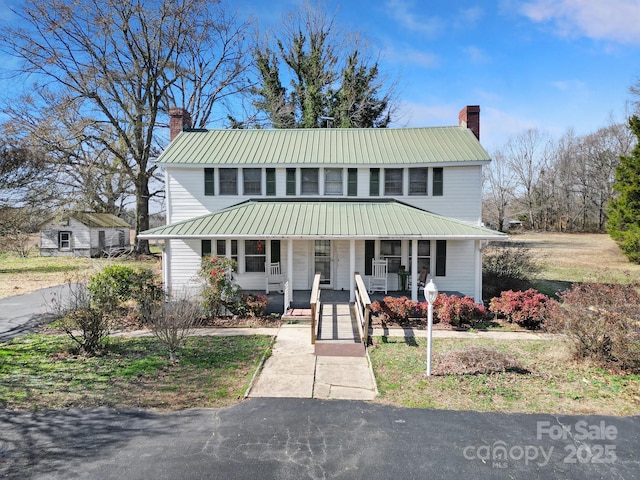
[[474, 361], [546, 379]]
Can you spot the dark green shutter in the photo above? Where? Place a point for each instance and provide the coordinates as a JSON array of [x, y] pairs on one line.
[[441, 258], [438, 182], [275, 251], [374, 182], [271, 181], [369, 254], [352, 182], [291, 181], [205, 247], [209, 183]]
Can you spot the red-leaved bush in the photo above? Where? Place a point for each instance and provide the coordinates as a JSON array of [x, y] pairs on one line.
[[395, 309], [528, 309], [457, 311]]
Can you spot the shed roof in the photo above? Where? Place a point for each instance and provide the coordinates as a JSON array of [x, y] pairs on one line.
[[321, 146], [322, 219], [98, 220]]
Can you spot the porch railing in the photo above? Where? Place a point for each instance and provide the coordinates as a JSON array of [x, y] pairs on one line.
[[315, 307], [363, 309]]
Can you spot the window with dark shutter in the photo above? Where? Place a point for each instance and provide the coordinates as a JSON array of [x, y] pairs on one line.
[[369, 254], [352, 182], [291, 181], [374, 182], [209, 181], [441, 258], [271, 181], [205, 248], [438, 182]]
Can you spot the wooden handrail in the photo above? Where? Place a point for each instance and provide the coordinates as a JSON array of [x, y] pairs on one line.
[[315, 306], [363, 309]]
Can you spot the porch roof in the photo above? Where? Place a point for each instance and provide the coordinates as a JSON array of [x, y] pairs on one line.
[[322, 219]]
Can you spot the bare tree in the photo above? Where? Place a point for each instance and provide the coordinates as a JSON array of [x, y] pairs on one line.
[[120, 65], [500, 185]]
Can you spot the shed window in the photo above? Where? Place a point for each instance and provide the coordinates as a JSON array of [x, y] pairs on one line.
[[64, 240], [252, 179], [333, 181], [418, 181], [228, 181], [393, 181], [309, 181]]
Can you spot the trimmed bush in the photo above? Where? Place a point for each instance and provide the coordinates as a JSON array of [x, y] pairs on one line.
[[396, 309], [458, 311], [529, 309]]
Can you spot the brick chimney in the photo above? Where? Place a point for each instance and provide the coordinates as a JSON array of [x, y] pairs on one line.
[[469, 117], [179, 119]]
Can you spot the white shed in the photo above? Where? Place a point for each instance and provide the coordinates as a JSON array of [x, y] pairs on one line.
[[83, 234]]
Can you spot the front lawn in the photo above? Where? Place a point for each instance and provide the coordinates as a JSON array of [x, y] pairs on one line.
[[550, 381], [38, 372]]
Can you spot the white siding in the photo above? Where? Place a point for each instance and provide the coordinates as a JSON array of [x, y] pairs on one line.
[[184, 262], [460, 271], [341, 270], [80, 239], [302, 274]]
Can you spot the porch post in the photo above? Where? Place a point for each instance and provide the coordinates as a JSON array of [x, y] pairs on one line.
[[352, 270], [414, 269], [478, 271], [290, 266]]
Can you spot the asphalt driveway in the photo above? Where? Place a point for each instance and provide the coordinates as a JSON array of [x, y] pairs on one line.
[[314, 439]]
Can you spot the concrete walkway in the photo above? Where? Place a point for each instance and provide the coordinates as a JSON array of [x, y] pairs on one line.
[[293, 370]]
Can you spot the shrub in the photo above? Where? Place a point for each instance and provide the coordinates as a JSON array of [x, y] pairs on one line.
[[529, 309], [395, 309], [602, 321], [86, 325], [253, 305], [219, 293], [457, 311], [507, 266]]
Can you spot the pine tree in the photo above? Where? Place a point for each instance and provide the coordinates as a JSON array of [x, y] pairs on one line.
[[624, 209]]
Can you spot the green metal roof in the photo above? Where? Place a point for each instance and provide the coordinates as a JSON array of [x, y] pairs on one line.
[[321, 219], [99, 220], [321, 146]]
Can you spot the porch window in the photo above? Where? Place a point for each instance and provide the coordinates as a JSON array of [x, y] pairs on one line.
[[254, 256], [374, 182], [291, 181], [418, 181], [424, 256], [271, 181], [352, 182], [393, 181], [252, 179], [221, 248], [441, 258], [209, 181], [64, 240], [228, 181], [438, 182], [392, 251], [309, 181], [333, 181]]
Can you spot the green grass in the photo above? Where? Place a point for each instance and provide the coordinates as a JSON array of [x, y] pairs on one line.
[[38, 372], [555, 383]]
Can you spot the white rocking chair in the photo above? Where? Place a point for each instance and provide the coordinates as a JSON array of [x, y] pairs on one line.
[[274, 277], [378, 279]]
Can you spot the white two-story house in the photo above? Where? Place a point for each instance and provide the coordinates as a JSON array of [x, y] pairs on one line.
[[328, 201]]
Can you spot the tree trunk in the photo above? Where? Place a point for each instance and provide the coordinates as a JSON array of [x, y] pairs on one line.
[[142, 212]]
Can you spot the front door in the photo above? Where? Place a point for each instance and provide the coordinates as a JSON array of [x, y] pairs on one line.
[[322, 262]]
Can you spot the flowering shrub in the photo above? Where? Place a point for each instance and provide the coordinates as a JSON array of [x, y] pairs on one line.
[[528, 309], [219, 292], [457, 311]]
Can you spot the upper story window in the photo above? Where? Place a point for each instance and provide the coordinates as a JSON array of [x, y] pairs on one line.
[[374, 182], [393, 181], [271, 181], [228, 181], [209, 181], [291, 181], [309, 183], [438, 182], [333, 181], [252, 179], [418, 181], [352, 182]]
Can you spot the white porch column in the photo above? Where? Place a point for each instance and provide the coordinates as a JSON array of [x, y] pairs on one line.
[[414, 269], [478, 272], [352, 270], [290, 266]]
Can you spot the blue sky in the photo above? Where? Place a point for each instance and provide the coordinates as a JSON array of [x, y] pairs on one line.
[[546, 64]]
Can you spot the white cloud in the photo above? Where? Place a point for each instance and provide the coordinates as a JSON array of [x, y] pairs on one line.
[[401, 10], [569, 85], [409, 56], [476, 55], [613, 20]]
